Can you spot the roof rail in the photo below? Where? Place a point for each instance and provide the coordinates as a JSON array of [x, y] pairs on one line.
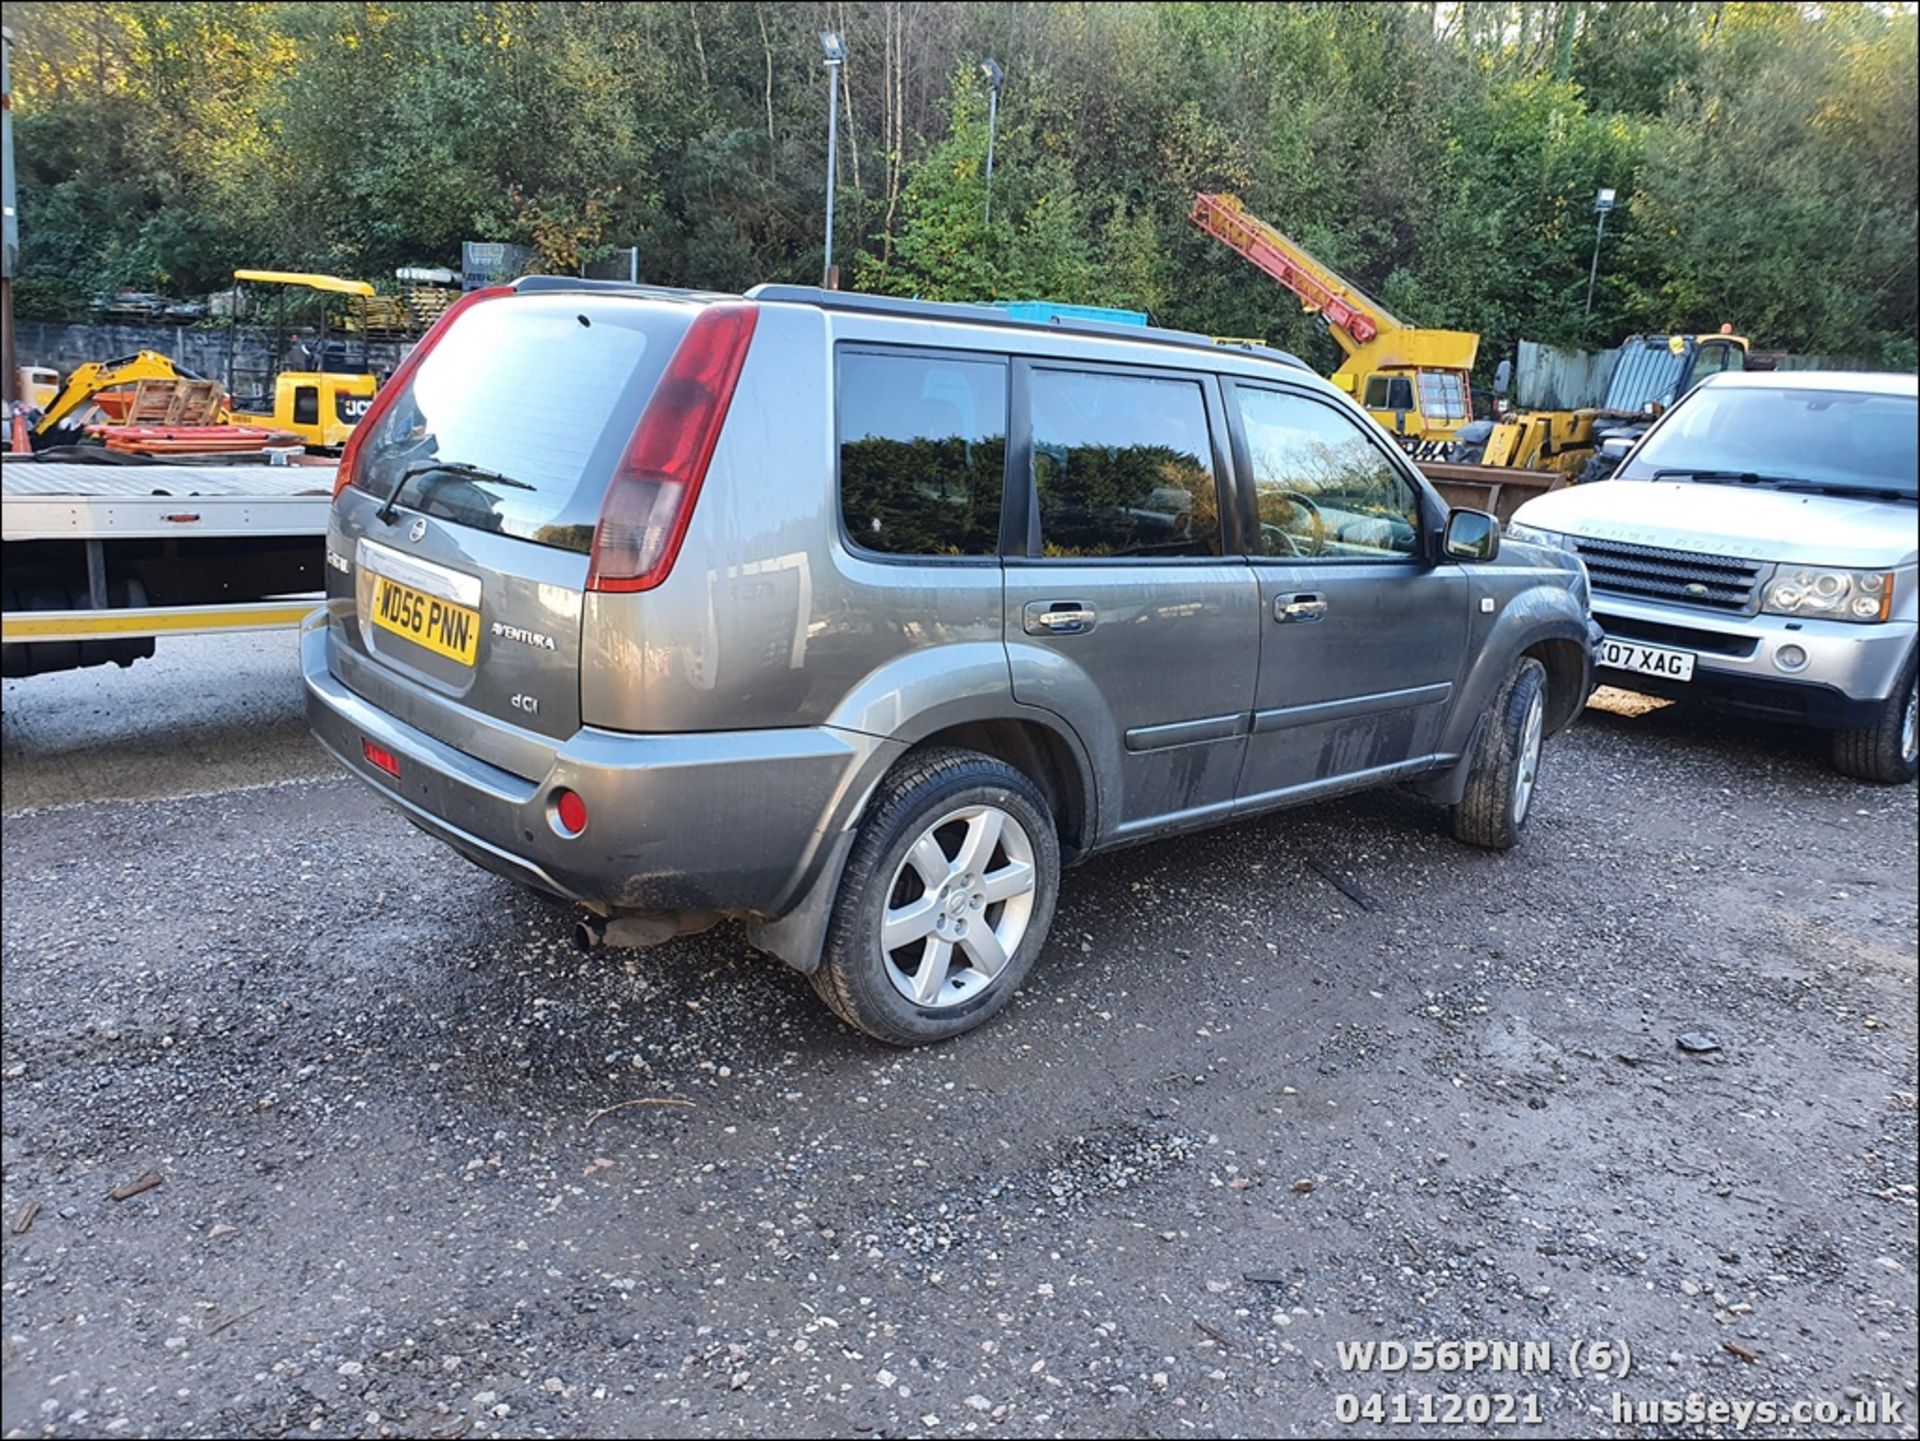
[[861, 303], [543, 284]]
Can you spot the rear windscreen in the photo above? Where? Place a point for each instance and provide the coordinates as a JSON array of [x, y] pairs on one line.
[[515, 420]]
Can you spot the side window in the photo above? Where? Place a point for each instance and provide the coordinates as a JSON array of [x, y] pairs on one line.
[[1122, 466], [1389, 392], [923, 447], [1322, 487]]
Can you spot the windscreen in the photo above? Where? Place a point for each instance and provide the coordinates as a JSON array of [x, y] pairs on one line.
[[1835, 439], [515, 420]]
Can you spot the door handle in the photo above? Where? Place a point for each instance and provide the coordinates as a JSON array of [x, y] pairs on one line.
[[1310, 605], [1057, 617]]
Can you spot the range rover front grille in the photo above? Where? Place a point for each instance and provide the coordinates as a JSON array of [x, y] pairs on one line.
[[1681, 577]]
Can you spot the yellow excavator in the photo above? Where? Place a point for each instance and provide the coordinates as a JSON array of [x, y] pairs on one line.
[[299, 389], [101, 391], [1415, 381]]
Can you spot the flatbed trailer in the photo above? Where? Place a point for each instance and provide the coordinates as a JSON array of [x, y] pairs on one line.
[[102, 559]]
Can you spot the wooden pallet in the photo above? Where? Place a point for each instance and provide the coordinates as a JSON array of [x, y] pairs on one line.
[[163, 401]]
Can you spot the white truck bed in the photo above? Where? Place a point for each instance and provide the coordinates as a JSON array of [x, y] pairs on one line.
[[66, 500], [103, 504]]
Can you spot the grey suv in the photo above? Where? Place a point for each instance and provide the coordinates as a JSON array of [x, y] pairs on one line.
[[857, 619]]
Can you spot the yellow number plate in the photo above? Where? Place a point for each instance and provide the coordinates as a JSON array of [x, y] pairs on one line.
[[441, 626]]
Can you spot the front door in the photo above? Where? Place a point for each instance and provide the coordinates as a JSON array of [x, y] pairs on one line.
[[1361, 636], [1125, 615]]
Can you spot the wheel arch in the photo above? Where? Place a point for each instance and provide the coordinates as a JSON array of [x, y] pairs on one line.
[[1032, 741]]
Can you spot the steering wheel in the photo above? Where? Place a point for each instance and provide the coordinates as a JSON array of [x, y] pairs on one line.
[[1292, 542]]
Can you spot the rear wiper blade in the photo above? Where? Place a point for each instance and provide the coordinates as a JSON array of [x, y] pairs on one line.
[[447, 467], [1743, 477]]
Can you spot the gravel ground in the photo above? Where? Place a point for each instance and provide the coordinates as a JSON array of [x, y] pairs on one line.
[[1326, 1077]]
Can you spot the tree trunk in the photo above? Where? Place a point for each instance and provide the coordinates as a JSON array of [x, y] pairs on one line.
[[699, 46], [894, 17], [846, 95], [773, 151]]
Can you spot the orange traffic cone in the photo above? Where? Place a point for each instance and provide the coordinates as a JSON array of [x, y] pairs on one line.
[[20, 442]]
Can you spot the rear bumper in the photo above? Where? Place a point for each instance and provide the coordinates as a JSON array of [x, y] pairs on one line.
[[731, 821]]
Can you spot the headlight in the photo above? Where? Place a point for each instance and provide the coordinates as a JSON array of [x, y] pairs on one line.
[[1530, 535], [1862, 596]]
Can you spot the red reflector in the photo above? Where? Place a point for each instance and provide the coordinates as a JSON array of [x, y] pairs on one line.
[[382, 757], [650, 498], [571, 810], [402, 373]]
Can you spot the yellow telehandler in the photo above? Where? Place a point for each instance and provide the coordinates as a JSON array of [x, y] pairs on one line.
[[1650, 372]]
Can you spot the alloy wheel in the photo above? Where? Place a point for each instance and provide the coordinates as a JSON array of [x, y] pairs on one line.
[[958, 906]]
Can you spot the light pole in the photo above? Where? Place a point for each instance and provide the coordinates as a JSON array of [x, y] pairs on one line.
[[833, 51], [1602, 205], [995, 77]]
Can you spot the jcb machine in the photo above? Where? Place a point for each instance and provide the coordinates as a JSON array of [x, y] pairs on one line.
[[307, 385], [100, 391], [1416, 382], [1650, 372]]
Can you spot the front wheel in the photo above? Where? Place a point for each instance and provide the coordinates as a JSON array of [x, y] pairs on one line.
[[945, 902], [1887, 749], [1506, 762]]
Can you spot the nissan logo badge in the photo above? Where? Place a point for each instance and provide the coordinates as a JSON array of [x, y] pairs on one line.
[[417, 531]]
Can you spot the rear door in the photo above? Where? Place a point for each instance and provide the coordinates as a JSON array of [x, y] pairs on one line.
[[1125, 613], [462, 541], [1361, 638]]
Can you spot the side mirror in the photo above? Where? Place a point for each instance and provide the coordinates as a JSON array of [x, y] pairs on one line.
[[1502, 378], [1471, 535]]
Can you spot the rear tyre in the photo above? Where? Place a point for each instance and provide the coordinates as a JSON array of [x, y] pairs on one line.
[[1886, 750], [945, 902], [1506, 763]]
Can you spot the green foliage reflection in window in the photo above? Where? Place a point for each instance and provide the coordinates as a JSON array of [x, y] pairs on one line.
[[923, 444], [1123, 466]]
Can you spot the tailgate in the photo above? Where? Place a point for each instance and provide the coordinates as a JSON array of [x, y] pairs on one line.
[[460, 543]]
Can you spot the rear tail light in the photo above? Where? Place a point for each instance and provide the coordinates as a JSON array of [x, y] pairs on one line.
[[402, 373], [380, 756], [651, 496]]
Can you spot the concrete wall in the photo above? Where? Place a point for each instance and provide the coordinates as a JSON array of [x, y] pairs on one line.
[[199, 349]]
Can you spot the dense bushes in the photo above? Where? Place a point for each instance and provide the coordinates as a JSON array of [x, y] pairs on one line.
[[1446, 157]]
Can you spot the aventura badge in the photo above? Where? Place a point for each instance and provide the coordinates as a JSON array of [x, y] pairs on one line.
[[525, 637]]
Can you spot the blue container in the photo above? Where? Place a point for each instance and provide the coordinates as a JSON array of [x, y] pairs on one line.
[[1045, 312]]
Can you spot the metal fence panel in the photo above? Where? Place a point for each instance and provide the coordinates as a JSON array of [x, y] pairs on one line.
[[1550, 378]]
